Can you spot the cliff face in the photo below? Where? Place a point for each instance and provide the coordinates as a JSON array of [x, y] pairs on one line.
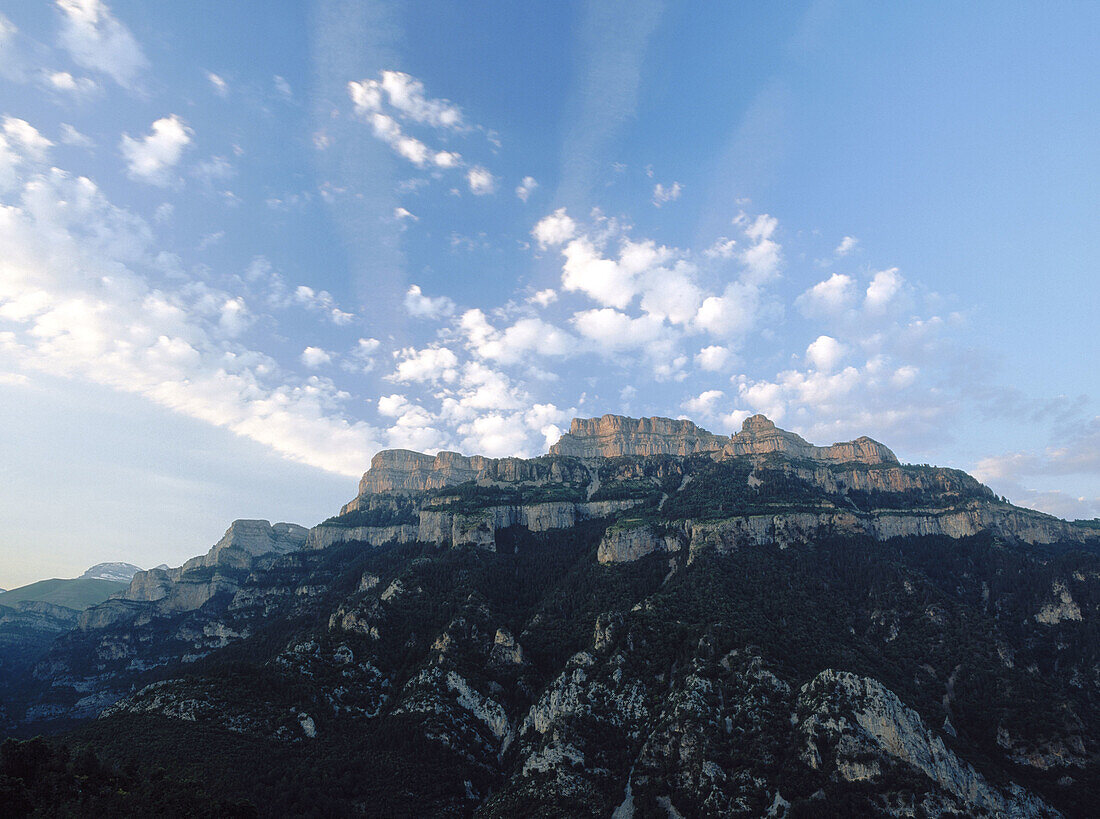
[[651, 620], [612, 436], [759, 436]]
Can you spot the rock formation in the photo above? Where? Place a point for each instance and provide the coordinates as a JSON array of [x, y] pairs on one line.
[[612, 436]]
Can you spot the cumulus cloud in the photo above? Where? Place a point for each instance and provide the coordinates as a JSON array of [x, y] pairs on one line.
[[481, 182], [78, 304], [153, 158], [662, 194], [846, 246], [824, 353], [71, 136], [704, 404], [525, 188], [79, 88], [555, 229], [884, 287], [431, 364], [544, 298], [96, 40], [314, 357], [321, 301], [514, 343], [830, 297], [712, 358], [396, 97], [421, 306], [407, 95]]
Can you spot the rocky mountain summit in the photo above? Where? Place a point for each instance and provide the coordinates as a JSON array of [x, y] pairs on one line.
[[118, 572], [649, 620]]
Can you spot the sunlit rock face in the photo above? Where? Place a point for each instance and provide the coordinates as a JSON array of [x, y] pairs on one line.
[[651, 620], [611, 436], [759, 436]]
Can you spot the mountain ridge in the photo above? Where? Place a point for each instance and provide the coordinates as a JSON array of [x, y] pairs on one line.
[[737, 625]]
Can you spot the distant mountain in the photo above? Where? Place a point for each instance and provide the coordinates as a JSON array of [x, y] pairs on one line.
[[78, 593], [118, 572], [650, 620]]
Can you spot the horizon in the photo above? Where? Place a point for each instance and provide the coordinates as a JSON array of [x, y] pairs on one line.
[[237, 267]]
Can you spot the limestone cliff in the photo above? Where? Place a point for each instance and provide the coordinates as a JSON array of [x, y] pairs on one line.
[[759, 436], [611, 436]]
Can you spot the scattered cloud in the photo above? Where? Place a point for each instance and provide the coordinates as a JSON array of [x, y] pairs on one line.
[[526, 188], [71, 136], [421, 306], [97, 41], [824, 353], [153, 158], [79, 88], [662, 194], [282, 87], [846, 246], [830, 297], [481, 181], [884, 287], [314, 357], [218, 83]]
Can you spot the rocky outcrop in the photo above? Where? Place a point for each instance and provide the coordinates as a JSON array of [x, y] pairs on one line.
[[190, 586], [611, 436], [626, 543], [859, 728], [632, 540], [759, 436], [119, 572], [442, 526], [402, 470]]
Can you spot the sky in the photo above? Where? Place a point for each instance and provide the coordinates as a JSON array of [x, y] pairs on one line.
[[245, 246]]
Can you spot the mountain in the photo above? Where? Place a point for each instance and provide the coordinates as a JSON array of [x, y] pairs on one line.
[[118, 572], [651, 619], [78, 593]]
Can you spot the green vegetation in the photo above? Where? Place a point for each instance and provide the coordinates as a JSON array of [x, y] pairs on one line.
[[77, 594], [39, 778]]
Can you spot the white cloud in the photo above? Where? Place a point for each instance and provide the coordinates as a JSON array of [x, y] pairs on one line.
[[71, 136], [321, 301], [431, 364], [723, 248], [712, 358], [514, 343], [401, 214], [96, 40], [218, 83], [421, 306], [731, 314], [314, 357], [25, 137], [153, 158], [235, 317], [616, 331], [481, 181], [282, 87], [830, 297], [703, 405], [526, 187], [544, 298], [825, 353], [846, 246], [80, 88], [406, 94], [555, 229], [79, 307], [663, 195], [884, 286]]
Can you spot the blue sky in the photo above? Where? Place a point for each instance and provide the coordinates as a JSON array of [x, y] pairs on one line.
[[247, 245]]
